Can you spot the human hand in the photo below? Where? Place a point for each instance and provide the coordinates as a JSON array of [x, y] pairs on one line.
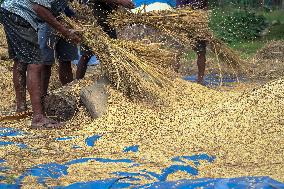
[[126, 3], [73, 35]]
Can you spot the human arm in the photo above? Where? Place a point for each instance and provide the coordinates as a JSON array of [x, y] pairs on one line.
[[48, 17]]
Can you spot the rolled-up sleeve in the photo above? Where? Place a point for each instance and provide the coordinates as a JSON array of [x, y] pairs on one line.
[[45, 3]]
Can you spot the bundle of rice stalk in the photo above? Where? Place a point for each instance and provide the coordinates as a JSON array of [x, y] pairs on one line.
[[182, 24], [152, 53], [185, 25], [124, 62]]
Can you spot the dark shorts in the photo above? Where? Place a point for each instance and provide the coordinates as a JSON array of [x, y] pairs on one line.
[[200, 46], [21, 37], [52, 46], [101, 11]]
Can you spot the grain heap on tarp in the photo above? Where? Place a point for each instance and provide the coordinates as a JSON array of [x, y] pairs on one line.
[[136, 69], [244, 131], [274, 50], [268, 62], [3, 42], [184, 25]]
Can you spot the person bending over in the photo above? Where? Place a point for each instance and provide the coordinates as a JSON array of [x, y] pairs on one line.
[[21, 20], [101, 10]]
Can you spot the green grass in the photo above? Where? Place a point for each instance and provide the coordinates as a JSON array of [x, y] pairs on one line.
[[276, 32], [249, 48], [277, 15]]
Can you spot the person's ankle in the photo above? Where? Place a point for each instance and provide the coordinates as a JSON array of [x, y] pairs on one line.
[[38, 117], [200, 80], [21, 108]]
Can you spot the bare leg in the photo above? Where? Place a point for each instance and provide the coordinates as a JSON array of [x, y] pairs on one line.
[[19, 80], [82, 66], [65, 72], [201, 60], [34, 83], [45, 76]]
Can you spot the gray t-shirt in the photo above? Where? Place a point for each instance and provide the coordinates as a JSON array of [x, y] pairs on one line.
[[24, 8]]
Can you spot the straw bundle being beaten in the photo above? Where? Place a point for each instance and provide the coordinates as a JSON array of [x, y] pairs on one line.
[[184, 25], [128, 65]]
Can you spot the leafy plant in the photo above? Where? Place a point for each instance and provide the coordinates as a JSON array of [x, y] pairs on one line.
[[238, 25]]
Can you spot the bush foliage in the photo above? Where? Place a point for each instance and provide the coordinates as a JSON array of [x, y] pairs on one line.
[[238, 25]]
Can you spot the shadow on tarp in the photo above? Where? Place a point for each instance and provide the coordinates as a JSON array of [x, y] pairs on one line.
[[215, 80]]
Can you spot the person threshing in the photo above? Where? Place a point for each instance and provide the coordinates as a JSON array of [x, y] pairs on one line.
[[101, 10], [21, 20], [54, 46], [66, 51], [200, 47]]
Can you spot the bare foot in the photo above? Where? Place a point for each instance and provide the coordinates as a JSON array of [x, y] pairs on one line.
[[21, 108], [200, 81], [42, 122]]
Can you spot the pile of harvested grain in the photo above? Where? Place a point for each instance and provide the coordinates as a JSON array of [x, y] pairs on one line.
[[3, 45], [6, 86], [274, 50], [267, 64], [243, 130], [267, 70], [3, 42]]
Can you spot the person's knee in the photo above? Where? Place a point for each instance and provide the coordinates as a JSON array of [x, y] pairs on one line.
[[65, 65], [87, 56], [36, 68], [19, 66], [201, 52]]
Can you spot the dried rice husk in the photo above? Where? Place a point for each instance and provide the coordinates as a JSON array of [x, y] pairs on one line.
[[274, 50], [185, 25], [128, 65]]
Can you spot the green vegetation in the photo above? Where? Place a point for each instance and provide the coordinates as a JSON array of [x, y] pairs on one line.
[[271, 16], [247, 46], [237, 25], [247, 31]]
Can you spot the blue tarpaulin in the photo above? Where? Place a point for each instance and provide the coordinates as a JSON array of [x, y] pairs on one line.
[[122, 179], [130, 179]]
